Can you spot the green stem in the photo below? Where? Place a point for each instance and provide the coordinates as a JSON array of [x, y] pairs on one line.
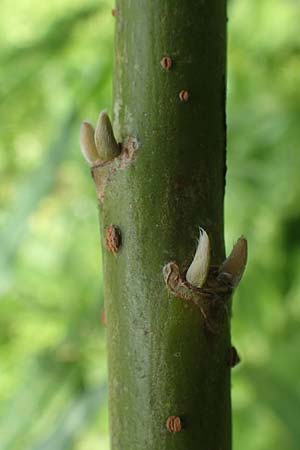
[[162, 359]]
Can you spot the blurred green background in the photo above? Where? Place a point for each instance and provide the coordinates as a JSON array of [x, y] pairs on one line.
[[56, 67]]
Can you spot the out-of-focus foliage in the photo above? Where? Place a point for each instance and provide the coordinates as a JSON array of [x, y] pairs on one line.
[[263, 202], [56, 64]]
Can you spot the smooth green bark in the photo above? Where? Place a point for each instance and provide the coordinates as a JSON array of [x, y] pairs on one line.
[[162, 359]]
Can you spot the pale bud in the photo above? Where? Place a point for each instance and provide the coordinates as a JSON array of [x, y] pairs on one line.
[[106, 143], [87, 143], [198, 270]]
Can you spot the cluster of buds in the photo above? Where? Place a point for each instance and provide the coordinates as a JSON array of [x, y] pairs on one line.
[[230, 271], [206, 286], [99, 145]]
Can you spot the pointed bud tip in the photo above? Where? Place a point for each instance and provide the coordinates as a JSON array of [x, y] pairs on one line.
[[102, 118], [236, 262], [198, 270], [106, 143], [103, 113]]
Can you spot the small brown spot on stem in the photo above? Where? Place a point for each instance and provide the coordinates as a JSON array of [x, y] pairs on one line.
[[114, 12], [233, 358], [174, 424], [184, 95], [112, 239], [103, 318], [166, 63]]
